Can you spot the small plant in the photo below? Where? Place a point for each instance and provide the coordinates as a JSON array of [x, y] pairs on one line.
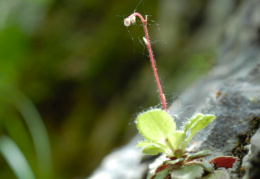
[[159, 131], [158, 128]]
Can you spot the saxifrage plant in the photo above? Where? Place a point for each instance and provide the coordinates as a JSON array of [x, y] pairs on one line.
[[158, 128], [159, 131]]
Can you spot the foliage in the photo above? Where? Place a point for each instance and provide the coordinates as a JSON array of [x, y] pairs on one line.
[[18, 149], [159, 131], [24, 143], [15, 158]]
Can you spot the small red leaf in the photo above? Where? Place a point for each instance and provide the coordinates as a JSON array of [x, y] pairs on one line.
[[226, 162]]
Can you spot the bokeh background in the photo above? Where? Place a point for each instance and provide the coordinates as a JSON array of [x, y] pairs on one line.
[[73, 77]]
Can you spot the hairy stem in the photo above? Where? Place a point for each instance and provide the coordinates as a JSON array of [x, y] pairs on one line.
[[128, 21]]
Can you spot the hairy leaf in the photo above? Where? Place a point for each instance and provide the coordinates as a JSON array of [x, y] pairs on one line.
[[163, 174], [194, 119], [200, 154], [146, 143], [196, 123], [155, 125], [205, 165], [152, 148], [176, 139], [188, 172], [172, 162]]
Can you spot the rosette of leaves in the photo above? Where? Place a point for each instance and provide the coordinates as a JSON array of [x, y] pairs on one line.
[[160, 136]]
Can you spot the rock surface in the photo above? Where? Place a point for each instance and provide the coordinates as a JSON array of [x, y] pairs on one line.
[[231, 92]]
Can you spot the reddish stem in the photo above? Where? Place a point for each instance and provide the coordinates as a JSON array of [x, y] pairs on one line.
[[148, 44]]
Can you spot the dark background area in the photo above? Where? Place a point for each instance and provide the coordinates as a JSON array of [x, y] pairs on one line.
[[88, 75]]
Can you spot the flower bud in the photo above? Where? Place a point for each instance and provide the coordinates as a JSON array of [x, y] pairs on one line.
[[132, 19], [127, 22]]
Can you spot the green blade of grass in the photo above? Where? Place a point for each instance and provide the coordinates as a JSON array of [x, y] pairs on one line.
[[15, 159], [18, 132], [35, 125]]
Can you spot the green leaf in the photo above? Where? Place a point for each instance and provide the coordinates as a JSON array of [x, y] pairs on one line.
[[176, 139], [15, 158], [152, 148], [205, 165], [172, 162], [193, 120], [146, 143], [195, 124], [163, 174], [188, 172], [155, 125], [200, 154]]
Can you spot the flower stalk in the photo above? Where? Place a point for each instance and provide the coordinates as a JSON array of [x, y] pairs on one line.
[[131, 20]]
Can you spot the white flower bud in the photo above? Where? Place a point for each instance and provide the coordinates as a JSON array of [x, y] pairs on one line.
[[127, 22], [132, 19]]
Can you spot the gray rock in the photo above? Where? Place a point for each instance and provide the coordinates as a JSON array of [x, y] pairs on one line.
[[251, 161], [122, 163]]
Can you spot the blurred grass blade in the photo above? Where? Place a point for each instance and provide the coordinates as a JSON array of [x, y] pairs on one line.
[[15, 159], [14, 127], [35, 125]]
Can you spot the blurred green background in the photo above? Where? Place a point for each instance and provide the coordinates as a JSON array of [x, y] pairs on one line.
[[73, 77]]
